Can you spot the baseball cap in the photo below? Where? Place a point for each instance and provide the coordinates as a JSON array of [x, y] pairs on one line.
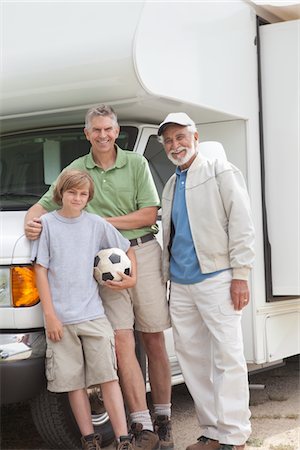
[[177, 118]]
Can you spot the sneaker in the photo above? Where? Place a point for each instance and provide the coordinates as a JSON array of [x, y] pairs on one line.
[[95, 444], [163, 428], [204, 443], [145, 439], [125, 443]]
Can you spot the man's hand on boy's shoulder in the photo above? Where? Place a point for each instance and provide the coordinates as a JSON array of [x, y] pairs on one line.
[[127, 282], [33, 229], [32, 221]]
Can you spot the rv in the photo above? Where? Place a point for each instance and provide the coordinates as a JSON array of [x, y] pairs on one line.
[[232, 66]]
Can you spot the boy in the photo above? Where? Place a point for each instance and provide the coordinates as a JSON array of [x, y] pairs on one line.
[[80, 340]]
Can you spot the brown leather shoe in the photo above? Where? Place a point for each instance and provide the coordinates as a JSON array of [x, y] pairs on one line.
[[204, 443], [232, 447], [145, 439], [126, 443], [95, 444]]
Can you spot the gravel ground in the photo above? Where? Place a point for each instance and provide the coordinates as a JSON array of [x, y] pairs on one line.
[[275, 415]]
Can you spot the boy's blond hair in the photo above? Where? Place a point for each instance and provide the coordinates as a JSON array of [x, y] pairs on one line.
[[70, 179]]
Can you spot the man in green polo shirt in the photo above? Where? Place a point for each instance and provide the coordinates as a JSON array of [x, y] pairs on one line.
[[126, 196]]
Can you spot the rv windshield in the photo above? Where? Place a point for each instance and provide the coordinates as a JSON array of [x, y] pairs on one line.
[[30, 162]]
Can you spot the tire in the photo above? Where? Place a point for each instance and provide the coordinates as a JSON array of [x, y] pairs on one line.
[[55, 422]]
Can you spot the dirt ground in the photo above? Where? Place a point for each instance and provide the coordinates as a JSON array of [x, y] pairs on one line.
[[275, 415], [275, 411]]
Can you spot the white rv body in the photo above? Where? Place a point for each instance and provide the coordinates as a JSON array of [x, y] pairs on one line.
[[148, 59]]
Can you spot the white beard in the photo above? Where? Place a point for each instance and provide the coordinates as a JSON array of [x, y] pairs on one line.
[[190, 152]]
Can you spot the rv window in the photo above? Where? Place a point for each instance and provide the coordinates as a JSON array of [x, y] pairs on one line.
[[29, 162], [160, 166]]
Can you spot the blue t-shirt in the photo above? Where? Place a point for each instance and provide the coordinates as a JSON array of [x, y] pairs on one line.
[[184, 264]]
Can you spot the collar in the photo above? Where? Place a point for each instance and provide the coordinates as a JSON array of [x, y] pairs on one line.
[[121, 159], [178, 171], [200, 159]]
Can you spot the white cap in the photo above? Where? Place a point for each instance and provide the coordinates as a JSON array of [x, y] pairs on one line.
[[177, 118]]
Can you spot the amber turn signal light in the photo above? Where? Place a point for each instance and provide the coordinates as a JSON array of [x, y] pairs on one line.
[[24, 290]]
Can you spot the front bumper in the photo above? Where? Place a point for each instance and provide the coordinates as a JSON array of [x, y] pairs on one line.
[[22, 374]]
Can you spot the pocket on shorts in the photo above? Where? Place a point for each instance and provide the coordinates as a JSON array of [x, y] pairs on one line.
[[49, 364], [227, 309], [113, 354]]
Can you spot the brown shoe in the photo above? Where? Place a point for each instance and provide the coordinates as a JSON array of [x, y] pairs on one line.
[[125, 443], [232, 447], [95, 444], [163, 428], [145, 439], [204, 443]]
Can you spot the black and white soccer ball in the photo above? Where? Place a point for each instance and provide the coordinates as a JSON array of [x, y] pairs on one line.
[[108, 262]]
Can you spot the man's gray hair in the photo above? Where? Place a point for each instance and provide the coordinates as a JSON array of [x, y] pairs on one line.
[[190, 128], [100, 110]]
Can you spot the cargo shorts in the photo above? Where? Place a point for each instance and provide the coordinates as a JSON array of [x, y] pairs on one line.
[[84, 357], [145, 306]]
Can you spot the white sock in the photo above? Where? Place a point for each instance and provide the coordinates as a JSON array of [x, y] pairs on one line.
[[162, 409], [142, 417]]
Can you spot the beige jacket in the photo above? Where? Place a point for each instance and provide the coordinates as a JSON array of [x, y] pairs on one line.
[[219, 214]]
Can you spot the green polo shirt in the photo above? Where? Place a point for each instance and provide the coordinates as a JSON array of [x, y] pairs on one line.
[[124, 188]]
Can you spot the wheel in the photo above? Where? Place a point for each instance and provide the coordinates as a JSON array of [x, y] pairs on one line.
[[55, 422]]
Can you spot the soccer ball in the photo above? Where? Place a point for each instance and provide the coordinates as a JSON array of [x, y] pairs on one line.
[[108, 262]]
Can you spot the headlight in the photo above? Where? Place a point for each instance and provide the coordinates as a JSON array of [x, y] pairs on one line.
[[5, 287], [17, 286]]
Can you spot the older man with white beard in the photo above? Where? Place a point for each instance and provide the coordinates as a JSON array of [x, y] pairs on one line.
[[208, 240]]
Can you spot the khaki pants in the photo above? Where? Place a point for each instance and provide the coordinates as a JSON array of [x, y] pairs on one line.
[[209, 346]]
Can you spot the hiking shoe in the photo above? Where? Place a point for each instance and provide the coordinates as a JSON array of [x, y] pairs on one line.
[[232, 447], [204, 443], [95, 444], [163, 428], [145, 439], [125, 443]]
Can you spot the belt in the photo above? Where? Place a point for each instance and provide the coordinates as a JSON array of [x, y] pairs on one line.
[[142, 239]]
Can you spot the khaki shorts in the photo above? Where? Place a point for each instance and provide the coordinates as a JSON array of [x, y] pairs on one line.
[[84, 357], [144, 306]]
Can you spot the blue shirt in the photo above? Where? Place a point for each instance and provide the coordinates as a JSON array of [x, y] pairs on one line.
[[184, 264]]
